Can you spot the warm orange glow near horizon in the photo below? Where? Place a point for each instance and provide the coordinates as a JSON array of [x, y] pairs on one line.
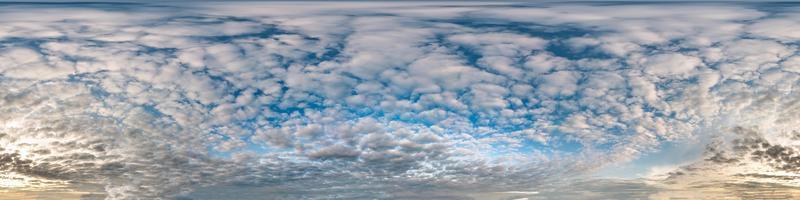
[[19, 187], [19, 194]]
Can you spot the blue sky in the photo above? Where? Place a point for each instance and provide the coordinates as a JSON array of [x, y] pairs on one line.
[[449, 100]]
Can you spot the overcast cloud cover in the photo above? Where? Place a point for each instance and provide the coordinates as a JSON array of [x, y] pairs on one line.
[[394, 100]]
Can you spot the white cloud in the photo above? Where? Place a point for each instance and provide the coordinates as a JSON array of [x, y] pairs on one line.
[[783, 27], [670, 64], [562, 83], [389, 96]]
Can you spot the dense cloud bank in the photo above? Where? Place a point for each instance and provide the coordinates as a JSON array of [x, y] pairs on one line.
[[335, 99]]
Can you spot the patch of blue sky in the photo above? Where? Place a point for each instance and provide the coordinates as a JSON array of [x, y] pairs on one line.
[[267, 32], [668, 155]]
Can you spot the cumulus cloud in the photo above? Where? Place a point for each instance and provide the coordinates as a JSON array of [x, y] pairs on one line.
[[155, 100], [670, 64]]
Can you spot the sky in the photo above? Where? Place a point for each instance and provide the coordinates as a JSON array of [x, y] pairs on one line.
[[399, 100]]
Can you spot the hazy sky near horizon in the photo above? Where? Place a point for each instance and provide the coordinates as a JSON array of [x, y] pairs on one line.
[[399, 100]]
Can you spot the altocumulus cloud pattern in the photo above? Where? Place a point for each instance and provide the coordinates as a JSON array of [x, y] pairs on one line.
[[398, 100]]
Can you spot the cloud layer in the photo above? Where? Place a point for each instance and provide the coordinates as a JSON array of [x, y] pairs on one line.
[[334, 99]]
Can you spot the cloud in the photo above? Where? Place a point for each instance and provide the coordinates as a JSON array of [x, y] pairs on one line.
[[782, 27], [670, 64], [155, 100]]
